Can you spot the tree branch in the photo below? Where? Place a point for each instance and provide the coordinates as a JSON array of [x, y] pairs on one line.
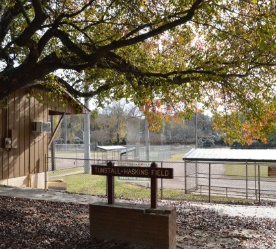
[[39, 19], [157, 31], [71, 46], [7, 19], [23, 11]]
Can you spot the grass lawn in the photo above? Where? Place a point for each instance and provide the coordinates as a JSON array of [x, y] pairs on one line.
[[65, 171], [96, 185], [177, 157], [240, 170]]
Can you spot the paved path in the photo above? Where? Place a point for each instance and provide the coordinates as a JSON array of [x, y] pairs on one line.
[[48, 195], [63, 196]]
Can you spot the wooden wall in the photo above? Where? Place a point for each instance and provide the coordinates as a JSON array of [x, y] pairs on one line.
[[30, 149]]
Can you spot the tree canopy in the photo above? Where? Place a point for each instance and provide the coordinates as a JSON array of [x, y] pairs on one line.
[[183, 52]]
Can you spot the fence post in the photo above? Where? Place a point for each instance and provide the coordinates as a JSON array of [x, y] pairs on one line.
[[46, 172], [259, 182], [209, 182], [185, 176], [161, 190], [246, 180], [200, 187], [196, 174], [76, 148], [255, 171]]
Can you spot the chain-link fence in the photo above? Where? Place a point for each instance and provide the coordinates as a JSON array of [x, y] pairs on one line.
[[211, 182], [233, 179]]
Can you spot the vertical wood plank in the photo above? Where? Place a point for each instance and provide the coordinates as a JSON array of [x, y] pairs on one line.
[[36, 137], [26, 132], [1, 139], [10, 127], [42, 136], [32, 136], [46, 138], [15, 123], [5, 158], [21, 132]]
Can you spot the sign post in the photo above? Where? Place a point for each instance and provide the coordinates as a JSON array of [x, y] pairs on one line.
[[110, 186], [154, 188], [152, 172]]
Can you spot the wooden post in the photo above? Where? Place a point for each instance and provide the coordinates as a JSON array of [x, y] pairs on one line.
[[153, 188], [110, 186]]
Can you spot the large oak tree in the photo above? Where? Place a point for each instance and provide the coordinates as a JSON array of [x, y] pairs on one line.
[[214, 52]]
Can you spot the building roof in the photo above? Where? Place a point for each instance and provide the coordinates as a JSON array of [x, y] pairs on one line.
[[239, 155], [111, 147], [79, 107], [82, 109]]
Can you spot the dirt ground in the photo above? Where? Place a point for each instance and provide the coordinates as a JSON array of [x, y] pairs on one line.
[[27, 223]]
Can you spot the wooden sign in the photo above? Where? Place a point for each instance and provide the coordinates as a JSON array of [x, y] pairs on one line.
[[272, 171], [132, 171], [152, 172]]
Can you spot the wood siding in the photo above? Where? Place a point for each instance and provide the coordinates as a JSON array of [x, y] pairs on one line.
[[30, 149]]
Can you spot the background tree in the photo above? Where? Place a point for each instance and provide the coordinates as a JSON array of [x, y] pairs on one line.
[[215, 52], [241, 129], [184, 132], [71, 130], [109, 127]]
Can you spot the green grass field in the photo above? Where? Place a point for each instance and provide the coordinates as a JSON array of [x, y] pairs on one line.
[[177, 157], [239, 170], [96, 185], [65, 171]]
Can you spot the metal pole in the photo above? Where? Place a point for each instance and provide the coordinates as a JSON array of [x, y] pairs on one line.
[[246, 180], [46, 173], [147, 139], [255, 181], [259, 182], [185, 176], [196, 174], [86, 140], [161, 184], [66, 132], [209, 182], [196, 144], [53, 146]]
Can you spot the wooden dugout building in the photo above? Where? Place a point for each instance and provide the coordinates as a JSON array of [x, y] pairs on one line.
[[25, 133]]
